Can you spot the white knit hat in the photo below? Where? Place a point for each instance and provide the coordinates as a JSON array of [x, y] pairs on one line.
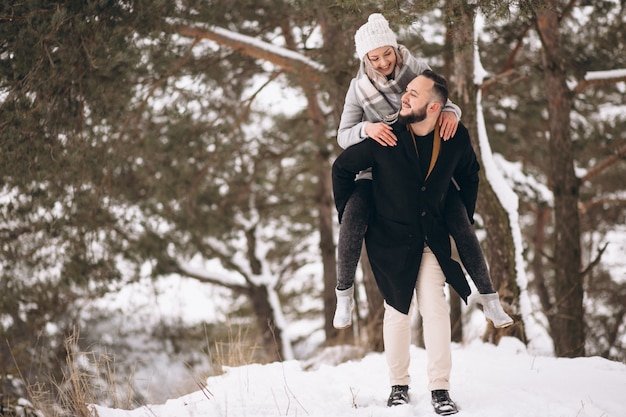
[[374, 34]]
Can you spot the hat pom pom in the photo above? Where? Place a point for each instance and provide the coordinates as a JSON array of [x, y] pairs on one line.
[[376, 16]]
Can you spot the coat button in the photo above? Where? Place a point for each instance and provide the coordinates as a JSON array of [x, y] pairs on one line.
[[423, 214], [423, 188]]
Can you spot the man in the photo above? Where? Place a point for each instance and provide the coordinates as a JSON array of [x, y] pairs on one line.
[[407, 241]]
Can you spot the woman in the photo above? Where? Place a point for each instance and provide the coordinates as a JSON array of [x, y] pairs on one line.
[[371, 106]]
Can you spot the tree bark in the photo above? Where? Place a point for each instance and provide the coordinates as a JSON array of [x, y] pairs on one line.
[[542, 216], [264, 313], [500, 252], [566, 318]]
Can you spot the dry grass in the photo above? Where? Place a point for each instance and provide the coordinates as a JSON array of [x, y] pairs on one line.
[[90, 377], [237, 350], [87, 377]]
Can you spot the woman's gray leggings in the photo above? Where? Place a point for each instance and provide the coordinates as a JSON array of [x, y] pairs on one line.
[[354, 222]]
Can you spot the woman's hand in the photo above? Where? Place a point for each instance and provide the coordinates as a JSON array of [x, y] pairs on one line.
[[448, 122], [381, 133]]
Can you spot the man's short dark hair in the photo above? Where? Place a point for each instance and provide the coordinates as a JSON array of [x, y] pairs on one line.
[[440, 89]]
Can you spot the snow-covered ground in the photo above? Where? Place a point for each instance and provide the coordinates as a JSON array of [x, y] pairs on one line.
[[487, 381]]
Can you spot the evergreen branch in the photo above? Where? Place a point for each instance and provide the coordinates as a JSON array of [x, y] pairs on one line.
[[596, 260], [510, 62], [567, 10], [587, 206], [603, 165], [495, 79], [106, 179], [288, 60], [179, 65], [598, 82], [244, 115], [208, 279]]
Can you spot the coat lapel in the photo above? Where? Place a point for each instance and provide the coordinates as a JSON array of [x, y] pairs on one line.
[[434, 157], [436, 150]]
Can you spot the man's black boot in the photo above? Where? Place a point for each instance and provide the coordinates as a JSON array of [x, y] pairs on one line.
[[399, 395], [442, 403]]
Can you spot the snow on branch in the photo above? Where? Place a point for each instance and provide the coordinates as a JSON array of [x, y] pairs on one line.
[[600, 78], [212, 277], [616, 74], [289, 60]]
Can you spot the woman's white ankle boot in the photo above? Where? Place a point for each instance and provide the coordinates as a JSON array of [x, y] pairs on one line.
[[493, 310], [345, 305]]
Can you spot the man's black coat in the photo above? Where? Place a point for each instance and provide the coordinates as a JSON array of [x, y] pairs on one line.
[[408, 210]]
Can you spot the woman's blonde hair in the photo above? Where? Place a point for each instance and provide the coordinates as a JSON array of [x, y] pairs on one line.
[[374, 75]]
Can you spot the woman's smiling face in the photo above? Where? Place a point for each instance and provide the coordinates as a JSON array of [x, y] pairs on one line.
[[383, 59]]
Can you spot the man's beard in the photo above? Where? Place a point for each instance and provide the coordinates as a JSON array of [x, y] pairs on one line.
[[413, 117]]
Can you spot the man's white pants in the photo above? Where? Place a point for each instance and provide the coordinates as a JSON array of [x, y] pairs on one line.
[[433, 307]]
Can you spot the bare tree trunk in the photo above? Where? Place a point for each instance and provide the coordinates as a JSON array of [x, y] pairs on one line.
[[566, 318], [542, 216], [500, 251], [264, 313], [325, 209]]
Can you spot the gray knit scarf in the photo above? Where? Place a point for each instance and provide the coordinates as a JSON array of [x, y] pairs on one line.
[[372, 93]]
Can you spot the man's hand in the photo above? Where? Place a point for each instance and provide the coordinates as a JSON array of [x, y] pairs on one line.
[[448, 122]]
